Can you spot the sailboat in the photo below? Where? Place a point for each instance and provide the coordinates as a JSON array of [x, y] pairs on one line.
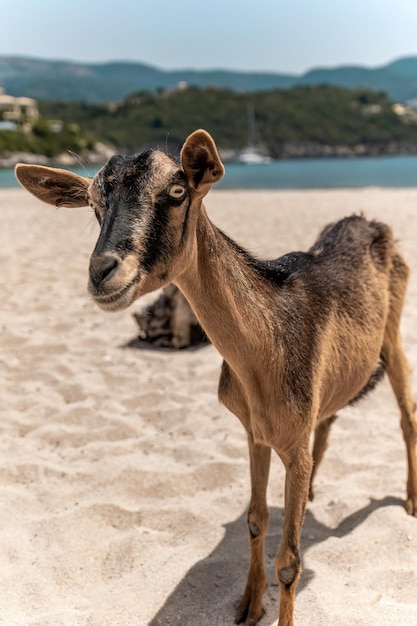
[[251, 154]]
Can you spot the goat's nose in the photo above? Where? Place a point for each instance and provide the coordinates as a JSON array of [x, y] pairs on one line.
[[102, 268]]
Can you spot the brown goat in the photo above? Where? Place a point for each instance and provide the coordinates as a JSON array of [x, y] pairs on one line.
[[301, 336]]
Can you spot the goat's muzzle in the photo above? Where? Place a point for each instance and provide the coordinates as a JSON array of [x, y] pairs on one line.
[[111, 287], [102, 269]]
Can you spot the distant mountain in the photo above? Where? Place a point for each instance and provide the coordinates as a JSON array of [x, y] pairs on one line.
[[105, 82], [397, 79]]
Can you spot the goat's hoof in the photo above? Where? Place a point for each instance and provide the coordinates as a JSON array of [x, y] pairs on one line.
[[242, 616], [247, 613], [249, 609], [411, 506]]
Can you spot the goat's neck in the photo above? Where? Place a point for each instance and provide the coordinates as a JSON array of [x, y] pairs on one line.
[[226, 294]]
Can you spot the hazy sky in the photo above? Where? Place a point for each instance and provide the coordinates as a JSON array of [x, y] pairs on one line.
[[274, 35]]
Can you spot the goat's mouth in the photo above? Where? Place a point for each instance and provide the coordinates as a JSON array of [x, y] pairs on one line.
[[117, 300]]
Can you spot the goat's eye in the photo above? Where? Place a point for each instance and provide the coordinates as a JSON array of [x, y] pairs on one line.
[[176, 191]]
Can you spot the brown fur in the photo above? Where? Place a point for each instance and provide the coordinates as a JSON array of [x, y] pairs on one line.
[[301, 337]]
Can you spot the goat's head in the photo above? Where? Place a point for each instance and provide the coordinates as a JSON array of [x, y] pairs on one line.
[[147, 207]]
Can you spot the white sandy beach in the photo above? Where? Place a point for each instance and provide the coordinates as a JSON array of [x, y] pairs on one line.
[[124, 484]]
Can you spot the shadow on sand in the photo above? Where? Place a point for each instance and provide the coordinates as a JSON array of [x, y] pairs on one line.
[[141, 344], [210, 590]]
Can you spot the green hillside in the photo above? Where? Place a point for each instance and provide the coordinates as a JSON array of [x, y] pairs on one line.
[[296, 122], [321, 116]]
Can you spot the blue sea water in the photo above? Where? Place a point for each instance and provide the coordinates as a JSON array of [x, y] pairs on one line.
[[396, 171]]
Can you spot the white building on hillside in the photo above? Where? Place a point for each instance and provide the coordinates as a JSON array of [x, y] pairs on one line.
[[17, 110]]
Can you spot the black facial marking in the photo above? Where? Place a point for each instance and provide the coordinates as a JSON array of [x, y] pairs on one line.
[[158, 244], [125, 247], [185, 222], [159, 239], [118, 185]]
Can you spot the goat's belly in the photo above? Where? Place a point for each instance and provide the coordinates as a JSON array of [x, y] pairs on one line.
[[348, 359], [343, 390]]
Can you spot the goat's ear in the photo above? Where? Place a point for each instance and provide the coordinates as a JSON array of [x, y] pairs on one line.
[[201, 162], [54, 186]]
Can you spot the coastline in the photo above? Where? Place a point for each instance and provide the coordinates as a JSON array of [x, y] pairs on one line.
[[398, 171], [288, 150], [98, 156], [124, 484]]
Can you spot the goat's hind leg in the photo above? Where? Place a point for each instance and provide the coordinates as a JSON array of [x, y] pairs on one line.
[[398, 371], [321, 435], [250, 606]]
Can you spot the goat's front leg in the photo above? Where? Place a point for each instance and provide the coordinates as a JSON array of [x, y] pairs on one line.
[[288, 564], [250, 606]]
